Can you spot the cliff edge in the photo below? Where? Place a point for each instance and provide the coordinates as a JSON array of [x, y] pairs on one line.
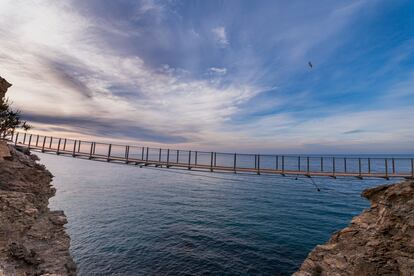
[[4, 85], [33, 240], [380, 241]]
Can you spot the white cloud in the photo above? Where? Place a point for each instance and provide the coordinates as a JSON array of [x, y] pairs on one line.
[[51, 53], [289, 132], [59, 67], [217, 71], [149, 7], [220, 36]]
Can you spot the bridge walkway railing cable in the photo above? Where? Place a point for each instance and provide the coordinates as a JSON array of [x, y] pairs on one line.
[[331, 166]]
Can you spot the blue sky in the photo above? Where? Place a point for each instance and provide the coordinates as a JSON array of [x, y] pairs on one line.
[[222, 75]]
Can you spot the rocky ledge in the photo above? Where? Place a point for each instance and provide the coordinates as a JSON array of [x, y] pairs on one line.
[[33, 240], [380, 241]]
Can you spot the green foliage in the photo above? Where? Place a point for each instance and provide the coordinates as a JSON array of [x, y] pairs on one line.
[[10, 119]]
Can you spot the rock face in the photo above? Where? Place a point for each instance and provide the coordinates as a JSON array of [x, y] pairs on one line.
[[4, 151], [380, 241], [33, 240], [4, 85]]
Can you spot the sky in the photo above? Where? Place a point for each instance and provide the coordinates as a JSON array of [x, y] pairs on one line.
[[215, 75]]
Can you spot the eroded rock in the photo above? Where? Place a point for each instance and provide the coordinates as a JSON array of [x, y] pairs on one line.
[[4, 85], [380, 241], [33, 240]]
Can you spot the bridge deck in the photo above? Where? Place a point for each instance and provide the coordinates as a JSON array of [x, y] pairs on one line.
[[310, 166]]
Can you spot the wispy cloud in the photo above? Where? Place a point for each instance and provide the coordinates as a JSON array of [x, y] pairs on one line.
[[218, 71], [354, 131], [68, 79], [220, 36], [175, 74]]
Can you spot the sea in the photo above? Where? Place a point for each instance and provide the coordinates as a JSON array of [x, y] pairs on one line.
[[127, 220]]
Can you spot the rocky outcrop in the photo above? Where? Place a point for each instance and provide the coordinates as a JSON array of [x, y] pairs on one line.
[[4, 151], [33, 240], [380, 241], [4, 85]]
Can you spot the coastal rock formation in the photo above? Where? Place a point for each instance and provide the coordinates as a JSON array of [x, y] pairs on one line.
[[4, 85], [33, 240], [380, 241]]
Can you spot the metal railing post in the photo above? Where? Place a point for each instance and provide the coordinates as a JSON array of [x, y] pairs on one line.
[[168, 158], [299, 163], [43, 145], [333, 166], [235, 162], [24, 138], [16, 138], [211, 161], [189, 160], [64, 145], [215, 159], [196, 158], [283, 164], [255, 161], [108, 158], [58, 148], [393, 165], [360, 167], [30, 141], [321, 164], [79, 145], [74, 149], [307, 165], [258, 164], [159, 156], [386, 168], [146, 157], [369, 165], [50, 143], [91, 150], [277, 162], [178, 156], [37, 140], [142, 153], [127, 154], [345, 164]]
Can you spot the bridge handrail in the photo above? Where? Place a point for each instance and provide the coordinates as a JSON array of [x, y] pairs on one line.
[[335, 164]]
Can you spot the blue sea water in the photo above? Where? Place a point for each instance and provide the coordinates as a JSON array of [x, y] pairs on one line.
[[126, 220]]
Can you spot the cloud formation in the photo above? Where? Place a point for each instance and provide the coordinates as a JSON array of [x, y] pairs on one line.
[[220, 36], [218, 71], [164, 73]]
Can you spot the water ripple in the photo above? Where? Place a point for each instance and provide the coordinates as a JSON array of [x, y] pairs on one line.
[[130, 221]]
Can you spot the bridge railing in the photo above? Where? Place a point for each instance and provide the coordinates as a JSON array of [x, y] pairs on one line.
[[359, 166]]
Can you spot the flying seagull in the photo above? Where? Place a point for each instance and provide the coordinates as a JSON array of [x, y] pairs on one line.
[[310, 64]]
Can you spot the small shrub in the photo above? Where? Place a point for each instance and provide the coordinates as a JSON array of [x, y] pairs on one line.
[[10, 119]]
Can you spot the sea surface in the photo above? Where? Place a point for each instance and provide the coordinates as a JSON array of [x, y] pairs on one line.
[[126, 220]]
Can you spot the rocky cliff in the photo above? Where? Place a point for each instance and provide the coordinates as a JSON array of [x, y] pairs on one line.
[[380, 241], [4, 85], [33, 240]]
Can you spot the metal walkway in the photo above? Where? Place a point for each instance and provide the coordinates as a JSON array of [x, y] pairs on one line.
[[331, 166]]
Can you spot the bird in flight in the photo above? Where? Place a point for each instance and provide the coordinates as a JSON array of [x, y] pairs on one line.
[[310, 64]]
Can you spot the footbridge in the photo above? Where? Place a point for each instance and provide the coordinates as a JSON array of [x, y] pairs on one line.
[[309, 166]]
